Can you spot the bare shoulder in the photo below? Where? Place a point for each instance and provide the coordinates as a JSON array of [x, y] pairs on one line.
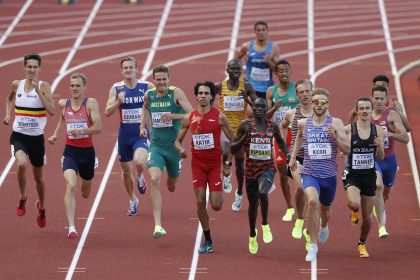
[[62, 103]]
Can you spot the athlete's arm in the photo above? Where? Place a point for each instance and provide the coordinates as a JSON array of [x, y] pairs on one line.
[[336, 130], [45, 95], [92, 107], [144, 116], [241, 135], [61, 122], [280, 141], [275, 56], [352, 116], [242, 51], [287, 120], [379, 143], [227, 129], [113, 102], [250, 92], [396, 106], [400, 133], [297, 144], [269, 99], [181, 135], [181, 100], [9, 101]]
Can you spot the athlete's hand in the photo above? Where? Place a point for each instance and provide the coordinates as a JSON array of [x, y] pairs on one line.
[[278, 104], [378, 141], [121, 97], [331, 130], [183, 153], [76, 132], [143, 132], [35, 84], [248, 128], [293, 163], [6, 120], [166, 116], [52, 139], [267, 57]]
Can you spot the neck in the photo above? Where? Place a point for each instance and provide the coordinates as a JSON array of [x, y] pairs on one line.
[[363, 123], [203, 109], [130, 82], [319, 119], [306, 109], [284, 85]]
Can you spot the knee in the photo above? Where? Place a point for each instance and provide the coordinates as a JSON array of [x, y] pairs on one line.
[[216, 206], [71, 187], [379, 188], [313, 203], [155, 179], [126, 173], [353, 206], [21, 165], [201, 203]]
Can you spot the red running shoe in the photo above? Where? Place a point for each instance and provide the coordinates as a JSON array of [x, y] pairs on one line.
[[21, 209], [40, 218]]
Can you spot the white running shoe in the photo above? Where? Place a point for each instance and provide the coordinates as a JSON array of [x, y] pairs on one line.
[[312, 251], [237, 203], [227, 185], [273, 187], [323, 234]]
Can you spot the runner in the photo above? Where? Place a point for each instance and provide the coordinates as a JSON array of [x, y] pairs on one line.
[[261, 57], [166, 106], [206, 124], [33, 102], [128, 97], [256, 136], [81, 117], [235, 97], [304, 91], [281, 98], [321, 136]]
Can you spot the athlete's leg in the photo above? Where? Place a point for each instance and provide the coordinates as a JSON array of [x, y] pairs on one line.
[[40, 185], [70, 177]]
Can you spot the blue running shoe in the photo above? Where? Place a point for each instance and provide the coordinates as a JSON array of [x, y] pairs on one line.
[[141, 184], [133, 208], [207, 247]]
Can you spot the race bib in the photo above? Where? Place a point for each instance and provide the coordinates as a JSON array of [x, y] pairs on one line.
[[203, 141], [233, 103], [131, 115], [24, 122], [259, 74], [386, 139], [71, 126], [280, 113], [319, 150], [158, 122], [260, 151], [363, 161]]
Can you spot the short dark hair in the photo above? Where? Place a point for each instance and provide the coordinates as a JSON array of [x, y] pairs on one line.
[[380, 78], [379, 88], [281, 62], [208, 84], [33, 56], [260, 22], [128, 58], [159, 69], [364, 98]]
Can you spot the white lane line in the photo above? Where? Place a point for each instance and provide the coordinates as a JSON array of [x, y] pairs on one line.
[[15, 22], [76, 44], [108, 169], [235, 29], [387, 35], [158, 35], [410, 145], [6, 170], [311, 38]]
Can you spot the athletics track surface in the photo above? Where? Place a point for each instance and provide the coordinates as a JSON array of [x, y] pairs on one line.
[[195, 43]]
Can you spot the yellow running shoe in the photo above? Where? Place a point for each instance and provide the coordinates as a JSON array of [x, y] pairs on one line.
[[267, 236], [253, 244], [159, 232], [382, 232], [362, 250], [297, 229], [307, 238], [354, 218], [288, 217]]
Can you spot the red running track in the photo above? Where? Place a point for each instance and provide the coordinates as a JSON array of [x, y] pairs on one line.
[[121, 247]]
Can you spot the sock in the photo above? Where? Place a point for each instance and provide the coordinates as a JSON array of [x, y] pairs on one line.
[[207, 235]]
